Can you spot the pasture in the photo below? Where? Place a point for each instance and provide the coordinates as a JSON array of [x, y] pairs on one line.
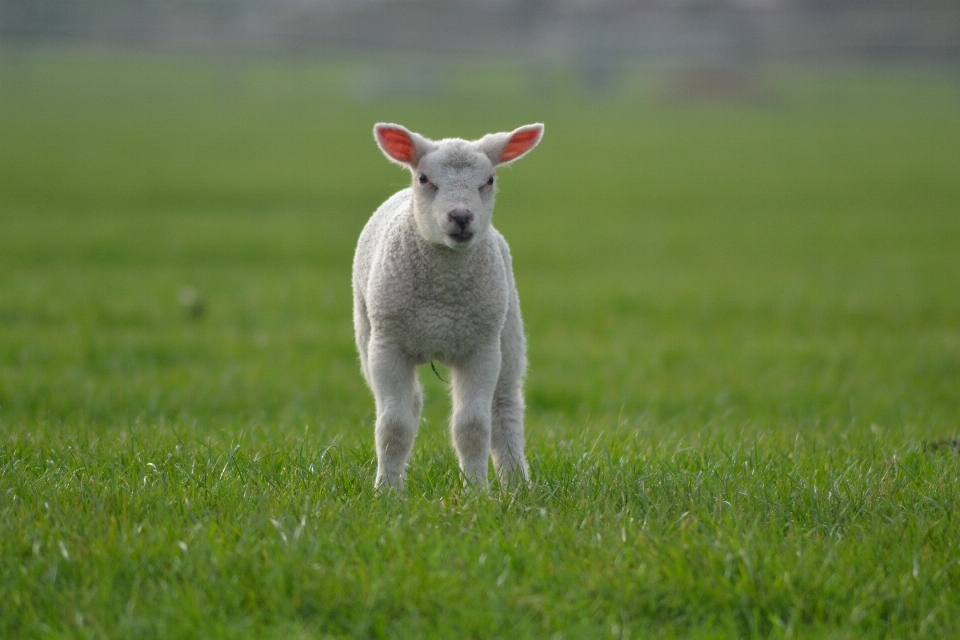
[[744, 329]]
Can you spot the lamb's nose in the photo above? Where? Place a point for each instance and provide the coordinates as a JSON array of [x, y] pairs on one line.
[[461, 216]]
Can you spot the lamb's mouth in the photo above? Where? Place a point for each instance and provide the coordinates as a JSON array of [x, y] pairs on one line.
[[461, 238]]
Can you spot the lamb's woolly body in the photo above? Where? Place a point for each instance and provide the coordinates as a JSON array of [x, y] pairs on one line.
[[429, 287], [435, 302]]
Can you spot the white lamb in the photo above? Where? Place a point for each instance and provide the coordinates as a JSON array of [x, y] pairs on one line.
[[432, 280]]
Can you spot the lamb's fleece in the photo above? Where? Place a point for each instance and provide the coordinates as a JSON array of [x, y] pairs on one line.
[[432, 280]]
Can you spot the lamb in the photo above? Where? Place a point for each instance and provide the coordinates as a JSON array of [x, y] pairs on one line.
[[432, 280]]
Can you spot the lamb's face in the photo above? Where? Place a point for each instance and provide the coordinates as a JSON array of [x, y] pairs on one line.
[[453, 180], [454, 188]]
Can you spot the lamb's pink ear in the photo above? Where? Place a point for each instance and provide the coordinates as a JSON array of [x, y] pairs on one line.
[[503, 148], [401, 145]]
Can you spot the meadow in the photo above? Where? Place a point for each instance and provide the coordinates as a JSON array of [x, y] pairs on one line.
[[744, 329]]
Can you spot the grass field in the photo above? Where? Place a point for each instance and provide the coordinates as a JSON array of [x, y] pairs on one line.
[[744, 328]]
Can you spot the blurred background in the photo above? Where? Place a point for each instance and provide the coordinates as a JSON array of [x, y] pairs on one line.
[[744, 216], [594, 33], [718, 43]]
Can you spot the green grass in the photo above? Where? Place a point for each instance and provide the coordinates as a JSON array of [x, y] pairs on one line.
[[744, 327]]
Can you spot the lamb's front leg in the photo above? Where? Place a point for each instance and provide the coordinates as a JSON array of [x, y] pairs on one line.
[[399, 399], [473, 383]]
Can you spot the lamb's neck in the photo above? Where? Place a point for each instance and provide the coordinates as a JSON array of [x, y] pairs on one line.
[[440, 256]]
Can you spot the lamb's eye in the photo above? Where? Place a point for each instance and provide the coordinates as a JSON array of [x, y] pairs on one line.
[[489, 182], [422, 179]]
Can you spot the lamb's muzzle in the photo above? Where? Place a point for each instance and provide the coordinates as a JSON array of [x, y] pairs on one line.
[[416, 301], [462, 219]]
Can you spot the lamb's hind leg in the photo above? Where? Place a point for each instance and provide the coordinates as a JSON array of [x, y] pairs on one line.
[[399, 399], [361, 331], [506, 436]]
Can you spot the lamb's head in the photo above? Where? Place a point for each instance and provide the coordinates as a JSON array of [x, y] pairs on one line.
[[454, 181]]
